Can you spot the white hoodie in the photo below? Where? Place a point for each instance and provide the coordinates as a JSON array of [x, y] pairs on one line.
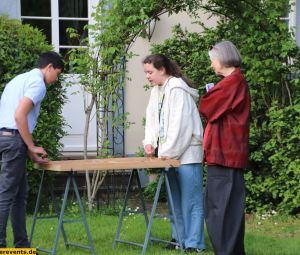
[[180, 129]]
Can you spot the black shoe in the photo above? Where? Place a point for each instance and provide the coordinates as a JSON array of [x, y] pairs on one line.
[[194, 250], [173, 245]]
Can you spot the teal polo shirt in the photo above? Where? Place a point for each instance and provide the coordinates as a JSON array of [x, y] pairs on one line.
[[30, 85]]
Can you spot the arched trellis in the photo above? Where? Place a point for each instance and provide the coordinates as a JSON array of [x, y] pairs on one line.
[[115, 30], [133, 21], [106, 115]]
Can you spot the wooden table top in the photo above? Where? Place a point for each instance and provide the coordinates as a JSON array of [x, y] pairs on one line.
[[107, 164]]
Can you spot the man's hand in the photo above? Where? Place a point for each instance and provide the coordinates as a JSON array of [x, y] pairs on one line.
[[149, 150], [38, 154]]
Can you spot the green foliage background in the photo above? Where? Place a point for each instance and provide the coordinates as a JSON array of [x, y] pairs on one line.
[[271, 66], [20, 46]]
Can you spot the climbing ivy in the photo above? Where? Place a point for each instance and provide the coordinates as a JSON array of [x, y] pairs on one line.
[[270, 64], [100, 64]]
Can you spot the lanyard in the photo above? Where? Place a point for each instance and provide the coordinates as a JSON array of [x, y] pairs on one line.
[[161, 105], [162, 101]]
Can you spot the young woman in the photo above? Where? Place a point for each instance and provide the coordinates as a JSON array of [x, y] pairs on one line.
[[226, 107], [173, 126]]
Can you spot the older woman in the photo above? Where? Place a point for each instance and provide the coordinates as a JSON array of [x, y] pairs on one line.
[[226, 108]]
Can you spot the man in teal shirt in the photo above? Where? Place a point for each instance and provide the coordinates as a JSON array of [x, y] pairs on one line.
[[19, 110]]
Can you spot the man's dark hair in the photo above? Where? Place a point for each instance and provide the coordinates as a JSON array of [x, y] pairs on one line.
[[50, 57]]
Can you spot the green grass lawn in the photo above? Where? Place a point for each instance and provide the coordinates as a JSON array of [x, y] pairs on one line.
[[269, 235]]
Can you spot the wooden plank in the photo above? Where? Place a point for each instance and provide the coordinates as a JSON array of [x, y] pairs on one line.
[[108, 164]]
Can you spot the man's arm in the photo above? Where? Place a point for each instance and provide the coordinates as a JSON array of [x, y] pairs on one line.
[[37, 154]]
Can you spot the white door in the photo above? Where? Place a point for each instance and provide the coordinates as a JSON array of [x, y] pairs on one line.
[[73, 111]]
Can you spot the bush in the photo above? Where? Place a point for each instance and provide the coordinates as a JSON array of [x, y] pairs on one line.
[[20, 46], [274, 184], [267, 47], [150, 190]]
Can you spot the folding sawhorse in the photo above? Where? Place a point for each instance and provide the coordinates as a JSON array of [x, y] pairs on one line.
[[130, 163], [163, 175], [60, 215]]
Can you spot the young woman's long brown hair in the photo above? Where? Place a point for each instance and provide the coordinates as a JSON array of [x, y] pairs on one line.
[[161, 61]]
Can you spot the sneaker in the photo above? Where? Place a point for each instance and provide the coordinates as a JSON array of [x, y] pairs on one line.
[[173, 245], [194, 250]]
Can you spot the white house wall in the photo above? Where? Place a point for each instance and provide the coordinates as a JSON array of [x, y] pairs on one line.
[[11, 8], [297, 18]]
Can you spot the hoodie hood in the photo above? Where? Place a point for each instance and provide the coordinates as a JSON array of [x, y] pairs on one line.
[[180, 83]]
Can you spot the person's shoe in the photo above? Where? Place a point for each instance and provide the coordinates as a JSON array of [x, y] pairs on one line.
[[194, 250], [173, 245]]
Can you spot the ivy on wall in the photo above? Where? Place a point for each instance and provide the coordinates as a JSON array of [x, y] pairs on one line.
[[101, 64], [270, 64]]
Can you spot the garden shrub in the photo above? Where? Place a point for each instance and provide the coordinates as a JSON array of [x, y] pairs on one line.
[[271, 66], [276, 182], [20, 46]]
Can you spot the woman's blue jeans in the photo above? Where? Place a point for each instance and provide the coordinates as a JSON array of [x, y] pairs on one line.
[[187, 193], [13, 189]]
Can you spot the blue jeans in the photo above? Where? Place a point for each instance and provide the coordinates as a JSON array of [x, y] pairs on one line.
[[13, 189], [187, 193]]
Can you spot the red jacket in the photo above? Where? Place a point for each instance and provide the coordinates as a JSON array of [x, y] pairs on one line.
[[226, 107]]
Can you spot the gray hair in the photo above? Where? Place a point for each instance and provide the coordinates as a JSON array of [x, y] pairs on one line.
[[226, 53]]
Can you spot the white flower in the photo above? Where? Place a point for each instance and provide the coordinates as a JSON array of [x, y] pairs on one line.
[[274, 212]]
